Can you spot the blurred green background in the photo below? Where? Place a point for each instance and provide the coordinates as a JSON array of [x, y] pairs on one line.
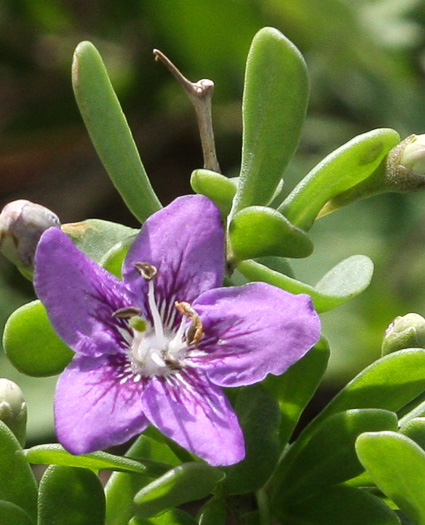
[[366, 60]]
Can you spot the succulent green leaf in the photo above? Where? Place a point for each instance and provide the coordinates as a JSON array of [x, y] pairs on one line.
[[415, 430], [113, 259], [342, 283], [329, 457], [170, 517], [109, 131], [344, 168], [258, 231], [259, 416], [274, 106], [214, 512], [96, 237], [32, 345], [216, 187], [70, 496], [17, 482], [123, 486], [294, 389], [53, 454], [13, 515], [186, 482], [397, 465], [340, 505]]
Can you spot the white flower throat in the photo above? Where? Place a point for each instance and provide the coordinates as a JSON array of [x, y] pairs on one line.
[[154, 348]]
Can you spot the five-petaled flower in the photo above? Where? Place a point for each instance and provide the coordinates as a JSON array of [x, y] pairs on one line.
[[156, 347]]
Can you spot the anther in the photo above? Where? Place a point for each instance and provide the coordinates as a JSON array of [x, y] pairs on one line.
[[127, 312], [146, 270], [195, 331]]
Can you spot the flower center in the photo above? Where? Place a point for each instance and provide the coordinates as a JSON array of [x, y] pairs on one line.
[[154, 348]]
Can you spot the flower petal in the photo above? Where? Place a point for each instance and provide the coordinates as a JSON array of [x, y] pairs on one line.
[[197, 415], [79, 295], [251, 331], [94, 408], [185, 242]]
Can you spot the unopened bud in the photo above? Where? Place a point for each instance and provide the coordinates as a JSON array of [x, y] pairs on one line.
[[21, 224], [406, 165], [13, 409], [406, 331]]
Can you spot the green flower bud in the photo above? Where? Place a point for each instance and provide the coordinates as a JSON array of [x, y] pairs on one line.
[[406, 331], [13, 409], [21, 224]]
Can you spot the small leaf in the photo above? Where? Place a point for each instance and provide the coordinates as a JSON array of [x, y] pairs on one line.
[[214, 512], [274, 106], [218, 188], [171, 517], [397, 465], [17, 482], [344, 168], [32, 345], [70, 496], [123, 486], [110, 133], [13, 515], [259, 417], [257, 231], [294, 389], [329, 457], [54, 454], [186, 482], [343, 282], [95, 237], [415, 430], [113, 259], [340, 505]]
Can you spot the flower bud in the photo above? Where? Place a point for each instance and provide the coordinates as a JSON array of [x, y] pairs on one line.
[[21, 224], [406, 165], [13, 409], [406, 331]]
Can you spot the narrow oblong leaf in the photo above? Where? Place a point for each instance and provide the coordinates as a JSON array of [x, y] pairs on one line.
[[340, 505], [186, 482], [13, 515], [294, 389], [109, 131], [343, 282], [259, 416], [32, 345], [415, 430], [329, 457], [170, 517], [54, 454], [274, 106], [214, 512], [257, 231], [70, 496], [397, 466], [218, 188], [17, 482], [344, 168]]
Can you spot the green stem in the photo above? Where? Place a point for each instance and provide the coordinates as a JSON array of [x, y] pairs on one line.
[[263, 507]]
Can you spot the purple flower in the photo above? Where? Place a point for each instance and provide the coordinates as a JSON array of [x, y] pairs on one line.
[[156, 347]]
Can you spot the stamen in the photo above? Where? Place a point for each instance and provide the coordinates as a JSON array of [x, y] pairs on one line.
[[127, 312], [157, 321], [196, 330], [146, 270]]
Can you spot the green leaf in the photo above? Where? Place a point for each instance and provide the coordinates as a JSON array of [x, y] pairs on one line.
[[342, 283], [70, 496], [171, 517], [214, 512], [13, 515], [17, 482], [216, 187], [340, 505], [274, 106], [257, 231], [186, 482], [54, 454], [122, 486], [415, 430], [259, 416], [113, 259], [344, 168], [329, 457], [95, 237], [397, 465], [294, 389], [109, 131], [32, 345]]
